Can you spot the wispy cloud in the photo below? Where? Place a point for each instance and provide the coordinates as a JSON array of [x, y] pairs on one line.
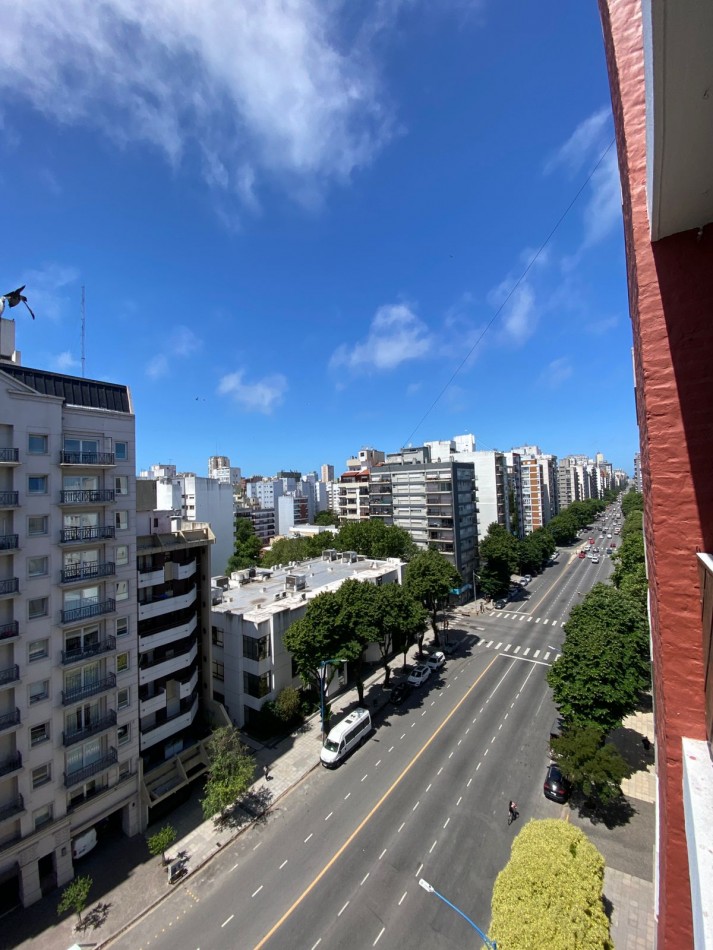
[[556, 373], [396, 336], [263, 395], [48, 290], [602, 212], [252, 88], [64, 362], [519, 315], [601, 325], [180, 344], [157, 367], [588, 139]]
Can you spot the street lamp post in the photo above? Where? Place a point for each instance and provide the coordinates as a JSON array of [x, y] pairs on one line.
[[490, 944], [322, 668]]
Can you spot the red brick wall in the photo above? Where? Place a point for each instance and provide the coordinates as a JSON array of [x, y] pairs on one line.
[[671, 305]]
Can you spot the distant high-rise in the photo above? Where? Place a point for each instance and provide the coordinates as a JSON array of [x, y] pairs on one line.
[[327, 473]]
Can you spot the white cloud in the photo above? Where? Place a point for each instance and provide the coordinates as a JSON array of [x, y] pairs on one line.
[[519, 314], [396, 335], [45, 290], [64, 362], [602, 325], [180, 344], [603, 209], [263, 395], [587, 141], [249, 87], [556, 373], [157, 367]]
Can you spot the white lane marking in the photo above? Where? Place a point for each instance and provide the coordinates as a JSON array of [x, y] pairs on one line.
[[538, 620], [459, 801], [347, 796], [255, 893], [493, 739], [451, 755], [429, 786], [283, 864], [379, 937], [314, 946], [382, 854], [402, 898], [480, 710], [377, 764], [329, 816], [545, 621], [433, 702], [469, 781], [413, 724], [489, 643], [530, 619], [500, 727], [446, 823], [536, 654], [558, 656], [432, 846], [525, 651], [459, 741], [233, 867], [507, 648], [517, 649], [403, 736], [401, 826], [485, 753], [474, 721], [343, 909], [439, 771], [363, 777], [392, 748], [448, 686], [420, 868], [499, 645], [467, 730], [547, 655], [423, 713], [228, 920], [478, 765], [308, 837], [415, 806], [257, 845], [361, 883], [554, 623], [522, 617], [505, 716]]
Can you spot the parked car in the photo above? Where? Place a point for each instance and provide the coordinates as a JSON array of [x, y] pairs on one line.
[[399, 693], [449, 648], [499, 604], [556, 786], [436, 660], [419, 675]]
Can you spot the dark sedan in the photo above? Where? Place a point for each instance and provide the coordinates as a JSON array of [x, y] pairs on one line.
[[556, 787], [399, 693]]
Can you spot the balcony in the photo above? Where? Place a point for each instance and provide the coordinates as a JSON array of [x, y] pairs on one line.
[[9, 499], [162, 638], [9, 720], [11, 585], [92, 533], [9, 456], [12, 808], [88, 611], [10, 630], [103, 723], [166, 605], [149, 706], [152, 578], [170, 727], [12, 764], [88, 652], [189, 686], [81, 775], [167, 666], [87, 571], [87, 458], [9, 542], [80, 693], [9, 675], [86, 496]]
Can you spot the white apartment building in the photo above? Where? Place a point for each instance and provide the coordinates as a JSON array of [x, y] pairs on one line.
[[265, 491], [576, 480], [262, 520], [365, 458], [251, 612], [354, 496], [292, 509], [221, 470], [69, 742], [327, 473], [538, 478]]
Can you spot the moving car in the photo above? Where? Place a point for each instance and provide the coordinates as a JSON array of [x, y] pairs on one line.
[[436, 660], [581, 554], [499, 604], [595, 559], [556, 786], [608, 551], [419, 675], [345, 736], [399, 693]]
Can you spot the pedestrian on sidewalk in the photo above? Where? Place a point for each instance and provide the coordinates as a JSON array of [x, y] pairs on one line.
[[266, 770]]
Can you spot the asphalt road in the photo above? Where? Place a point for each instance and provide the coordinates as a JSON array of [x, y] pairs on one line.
[[337, 864]]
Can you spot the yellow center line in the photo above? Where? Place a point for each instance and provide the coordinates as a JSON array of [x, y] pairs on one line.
[[373, 811], [531, 607]]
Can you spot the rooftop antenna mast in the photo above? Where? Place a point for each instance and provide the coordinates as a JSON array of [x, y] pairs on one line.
[[84, 323]]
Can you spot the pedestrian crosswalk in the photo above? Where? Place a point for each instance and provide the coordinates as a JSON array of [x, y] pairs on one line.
[[500, 614], [518, 650]]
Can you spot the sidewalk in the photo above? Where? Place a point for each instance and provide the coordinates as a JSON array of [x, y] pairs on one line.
[[127, 881]]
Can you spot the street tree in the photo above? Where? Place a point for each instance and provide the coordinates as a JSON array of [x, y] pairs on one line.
[[630, 566], [430, 578], [358, 624], [324, 518], [633, 524], [288, 704], [631, 501], [297, 549], [549, 894], [161, 842], [374, 539], [499, 556], [247, 548], [563, 528], [604, 664], [230, 771], [595, 768], [402, 620], [534, 550], [74, 897]]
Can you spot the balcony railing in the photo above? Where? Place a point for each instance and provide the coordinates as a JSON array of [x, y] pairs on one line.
[[81, 775], [8, 720], [86, 458], [9, 542], [9, 455], [105, 722], [9, 675], [88, 611], [9, 499], [87, 570], [86, 496], [12, 764], [9, 630], [80, 693], [87, 652], [10, 585], [92, 533], [14, 807]]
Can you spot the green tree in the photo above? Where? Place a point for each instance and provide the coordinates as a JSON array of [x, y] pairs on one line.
[[358, 624], [631, 501], [247, 547], [161, 842], [563, 528], [429, 579], [535, 550], [633, 524], [604, 663], [373, 538], [230, 771], [74, 896], [286, 550], [401, 621], [499, 559], [327, 518], [288, 704], [596, 769], [549, 894]]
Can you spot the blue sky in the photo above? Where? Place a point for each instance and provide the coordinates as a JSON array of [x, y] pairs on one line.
[[295, 219]]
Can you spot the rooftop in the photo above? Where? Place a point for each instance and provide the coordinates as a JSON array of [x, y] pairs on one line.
[[74, 390]]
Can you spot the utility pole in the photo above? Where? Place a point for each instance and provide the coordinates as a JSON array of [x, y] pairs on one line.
[[84, 322]]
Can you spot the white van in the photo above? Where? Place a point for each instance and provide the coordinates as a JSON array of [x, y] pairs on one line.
[[83, 843], [345, 736]]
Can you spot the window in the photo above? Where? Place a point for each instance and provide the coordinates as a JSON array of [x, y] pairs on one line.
[[87, 446], [121, 520], [122, 626], [42, 816], [216, 636], [37, 650], [37, 525], [37, 566], [122, 662], [122, 590], [218, 697], [121, 554], [124, 769], [39, 691], [256, 649], [121, 485], [37, 607], [37, 444], [123, 734], [42, 775], [37, 484], [121, 451], [218, 670], [257, 686], [123, 698], [39, 734]]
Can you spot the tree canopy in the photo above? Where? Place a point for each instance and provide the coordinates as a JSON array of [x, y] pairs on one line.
[[326, 518], [499, 559], [285, 550], [373, 538], [230, 771], [595, 768], [631, 501], [430, 578], [402, 621], [247, 548]]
